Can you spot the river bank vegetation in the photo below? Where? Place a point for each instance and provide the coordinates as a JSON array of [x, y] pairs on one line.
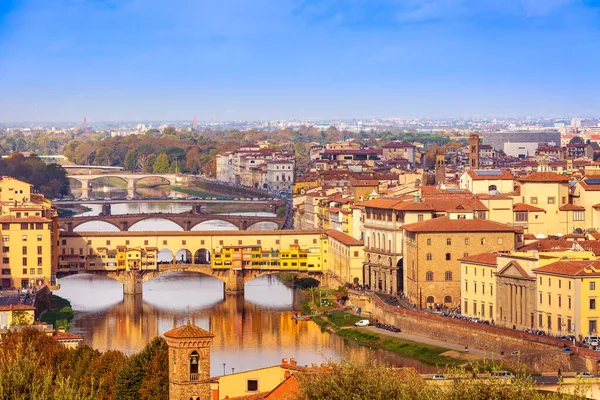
[[60, 313], [34, 366]]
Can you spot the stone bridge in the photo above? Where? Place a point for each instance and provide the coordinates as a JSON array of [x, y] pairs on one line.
[[186, 221], [233, 279], [130, 178]]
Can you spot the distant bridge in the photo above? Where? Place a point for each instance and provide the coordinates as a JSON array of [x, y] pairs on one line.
[[130, 178], [89, 167], [178, 200], [186, 221]]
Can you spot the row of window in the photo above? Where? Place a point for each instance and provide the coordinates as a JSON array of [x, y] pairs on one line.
[[478, 312], [561, 326], [490, 292], [592, 284], [6, 260], [447, 276], [592, 301], [467, 241], [6, 238], [184, 242], [6, 249], [475, 271], [24, 226]]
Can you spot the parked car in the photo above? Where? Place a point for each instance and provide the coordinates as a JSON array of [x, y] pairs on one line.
[[438, 377], [503, 375], [567, 350], [362, 322], [585, 375]]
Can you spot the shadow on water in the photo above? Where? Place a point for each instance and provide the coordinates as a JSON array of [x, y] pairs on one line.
[[251, 332]]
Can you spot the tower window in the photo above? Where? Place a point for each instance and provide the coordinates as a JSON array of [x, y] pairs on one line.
[[194, 358]]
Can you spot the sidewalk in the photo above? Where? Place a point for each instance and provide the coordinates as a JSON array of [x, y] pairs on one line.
[[432, 342]]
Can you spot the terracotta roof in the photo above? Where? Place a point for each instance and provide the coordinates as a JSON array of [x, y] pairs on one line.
[[442, 203], [343, 238], [544, 177], [445, 224], [288, 389], [571, 207], [17, 307], [255, 396], [483, 258], [505, 176], [543, 245], [587, 187], [396, 144], [368, 182], [526, 207], [188, 331], [572, 268]]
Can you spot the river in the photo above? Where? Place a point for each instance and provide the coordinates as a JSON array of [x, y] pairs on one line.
[[251, 331]]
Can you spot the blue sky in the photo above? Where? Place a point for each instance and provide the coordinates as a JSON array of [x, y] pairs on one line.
[[251, 59]]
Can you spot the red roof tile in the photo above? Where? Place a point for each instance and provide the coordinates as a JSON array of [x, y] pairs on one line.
[[544, 177], [445, 224], [188, 331], [287, 389], [572, 268], [526, 207], [343, 238], [571, 207], [483, 258], [17, 307]]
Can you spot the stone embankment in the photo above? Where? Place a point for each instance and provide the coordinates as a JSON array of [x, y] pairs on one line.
[[536, 353]]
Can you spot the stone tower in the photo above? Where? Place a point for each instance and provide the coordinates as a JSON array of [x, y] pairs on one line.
[[440, 169], [189, 363], [474, 151]]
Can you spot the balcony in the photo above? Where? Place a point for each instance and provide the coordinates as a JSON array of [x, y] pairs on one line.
[[193, 377]]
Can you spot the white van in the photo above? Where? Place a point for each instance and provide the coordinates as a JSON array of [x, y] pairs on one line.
[[362, 322], [591, 340]]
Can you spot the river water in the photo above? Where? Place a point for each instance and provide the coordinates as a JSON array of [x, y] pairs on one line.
[[251, 331]]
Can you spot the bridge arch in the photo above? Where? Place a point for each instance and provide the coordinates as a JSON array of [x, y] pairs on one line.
[[183, 256], [263, 226], [202, 256], [165, 256], [154, 224], [165, 180], [91, 226], [215, 224]]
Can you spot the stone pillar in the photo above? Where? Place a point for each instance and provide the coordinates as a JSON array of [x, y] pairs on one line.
[[511, 303], [85, 190], [187, 225], [132, 283], [197, 208], [124, 226], [106, 209], [518, 300], [234, 282], [130, 188], [69, 226]]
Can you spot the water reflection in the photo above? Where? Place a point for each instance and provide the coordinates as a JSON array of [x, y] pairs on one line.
[[251, 332]]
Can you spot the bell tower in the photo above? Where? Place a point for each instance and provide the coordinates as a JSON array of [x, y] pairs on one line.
[[189, 362], [474, 151], [440, 169]]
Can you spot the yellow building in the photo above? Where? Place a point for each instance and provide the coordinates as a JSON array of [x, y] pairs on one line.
[[17, 314], [433, 248], [483, 181], [478, 281], [346, 257], [28, 230], [567, 298], [587, 195], [550, 192]]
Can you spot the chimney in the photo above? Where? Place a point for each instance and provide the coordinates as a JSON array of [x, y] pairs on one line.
[[416, 197], [284, 362], [292, 362], [313, 366], [287, 374], [323, 367]]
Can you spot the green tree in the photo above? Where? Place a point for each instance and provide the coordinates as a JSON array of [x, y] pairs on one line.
[[130, 163], [161, 165]]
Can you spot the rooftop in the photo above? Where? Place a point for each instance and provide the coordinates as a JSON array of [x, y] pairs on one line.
[[483, 258], [544, 177], [188, 331], [343, 238]]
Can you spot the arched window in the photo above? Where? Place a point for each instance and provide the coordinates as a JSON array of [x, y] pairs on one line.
[[448, 257], [429, 276], [430, 300], [492, 187], [448, 275], [447, 300], [194, 361], [429, 257]]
